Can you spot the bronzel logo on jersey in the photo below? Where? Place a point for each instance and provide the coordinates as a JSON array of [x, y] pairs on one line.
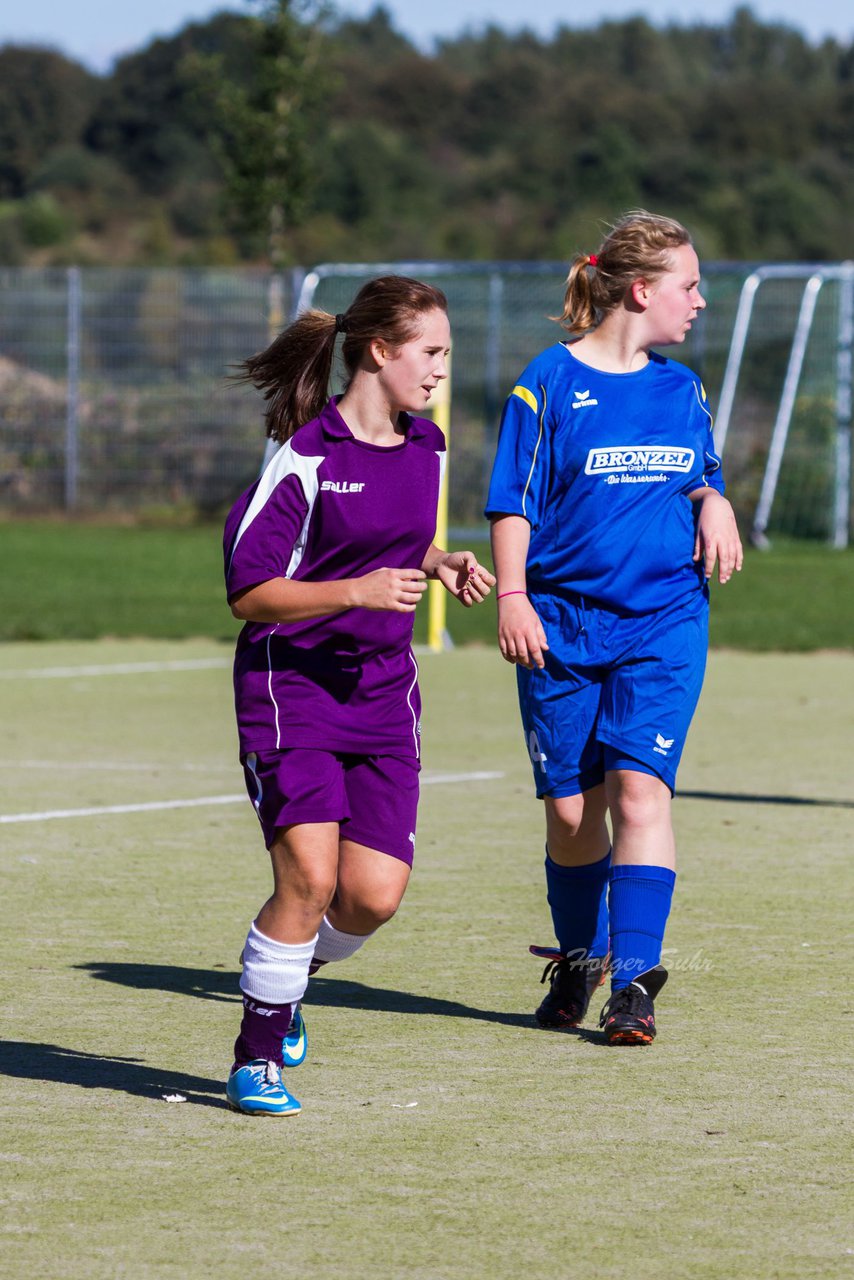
[[642, 457], [583, 399], [342, 486]]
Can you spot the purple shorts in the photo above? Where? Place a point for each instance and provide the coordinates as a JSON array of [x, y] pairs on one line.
[[373, 798]]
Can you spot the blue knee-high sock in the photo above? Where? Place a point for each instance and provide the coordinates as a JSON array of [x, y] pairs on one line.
[[578, 897], [639, 903]]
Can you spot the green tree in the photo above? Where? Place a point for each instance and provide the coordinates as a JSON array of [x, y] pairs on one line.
[[151, 118], [265, 131], [288, 133], [45, 100]]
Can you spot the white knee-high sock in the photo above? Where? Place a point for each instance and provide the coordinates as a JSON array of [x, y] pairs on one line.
[[333, 944], [275, 972]]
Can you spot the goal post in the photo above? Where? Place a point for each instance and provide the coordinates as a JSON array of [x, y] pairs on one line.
[[438, 637], [838, 378]]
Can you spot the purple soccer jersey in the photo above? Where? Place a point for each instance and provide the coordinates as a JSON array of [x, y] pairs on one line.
[[329, 506]]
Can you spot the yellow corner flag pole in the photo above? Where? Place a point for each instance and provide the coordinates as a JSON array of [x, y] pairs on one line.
[[437, 633]]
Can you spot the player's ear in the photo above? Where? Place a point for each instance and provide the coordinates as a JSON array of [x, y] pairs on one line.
[[641, 292], [379, 352]]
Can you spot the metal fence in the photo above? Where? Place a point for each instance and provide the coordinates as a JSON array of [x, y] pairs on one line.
[[113, 388], [114, 395]]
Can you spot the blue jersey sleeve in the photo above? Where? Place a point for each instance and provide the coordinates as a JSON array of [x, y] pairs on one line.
[[520, 473], [712, 475]]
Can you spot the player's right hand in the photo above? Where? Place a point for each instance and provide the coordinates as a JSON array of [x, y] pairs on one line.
[[397, 590], [521, 637]]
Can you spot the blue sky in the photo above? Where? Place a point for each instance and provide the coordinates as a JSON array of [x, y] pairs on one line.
[[97, 31]]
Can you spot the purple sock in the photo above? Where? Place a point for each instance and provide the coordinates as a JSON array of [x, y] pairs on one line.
[[262, 1030]]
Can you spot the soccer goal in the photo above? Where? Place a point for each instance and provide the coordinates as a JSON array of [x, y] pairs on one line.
[[813, 419]]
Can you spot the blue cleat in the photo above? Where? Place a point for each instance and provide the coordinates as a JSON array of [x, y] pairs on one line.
[[256, 1089], [295, 1043]]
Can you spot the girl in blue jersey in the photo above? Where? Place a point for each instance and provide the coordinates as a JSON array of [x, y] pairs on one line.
[[608, 519], [327, 556]]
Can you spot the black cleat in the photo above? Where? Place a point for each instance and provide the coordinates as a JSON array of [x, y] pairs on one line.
[[628, 1017], [572, 985]]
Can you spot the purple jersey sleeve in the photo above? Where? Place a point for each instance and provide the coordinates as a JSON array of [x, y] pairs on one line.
[[265, 532], [265, 548]]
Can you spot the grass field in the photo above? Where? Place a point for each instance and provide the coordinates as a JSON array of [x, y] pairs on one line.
[[442, 1136], [68, 581]]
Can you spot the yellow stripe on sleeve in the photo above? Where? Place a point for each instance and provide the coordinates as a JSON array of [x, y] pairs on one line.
[[528, 396]]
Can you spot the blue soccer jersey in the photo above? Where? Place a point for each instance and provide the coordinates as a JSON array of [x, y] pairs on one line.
[[601, 466]]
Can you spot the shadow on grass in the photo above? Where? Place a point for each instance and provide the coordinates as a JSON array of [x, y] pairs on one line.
[[342, 993], [54, 1063], [206, 984], [732, 797]]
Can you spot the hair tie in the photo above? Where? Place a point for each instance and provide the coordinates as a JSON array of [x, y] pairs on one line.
[[340, 323], [593, 259]]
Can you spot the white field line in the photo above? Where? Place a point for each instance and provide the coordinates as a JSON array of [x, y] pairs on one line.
[[117, 669], [115, 766], [153, 806], [131, 668]]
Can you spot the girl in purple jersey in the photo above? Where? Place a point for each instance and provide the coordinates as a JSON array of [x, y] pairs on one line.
[[608, 518], [327, 556]]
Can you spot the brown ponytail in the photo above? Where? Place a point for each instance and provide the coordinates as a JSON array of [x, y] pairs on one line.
[[295, 370], [636, 247]]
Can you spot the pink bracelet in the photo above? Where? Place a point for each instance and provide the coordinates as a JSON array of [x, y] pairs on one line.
[[502, 594]]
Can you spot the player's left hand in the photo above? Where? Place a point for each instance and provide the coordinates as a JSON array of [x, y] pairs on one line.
[[460, 573], [717, 539]]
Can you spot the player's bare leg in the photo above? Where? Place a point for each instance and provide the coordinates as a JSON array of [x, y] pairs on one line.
[[369, 890], [576, 831], [305, 869], [640, 807]]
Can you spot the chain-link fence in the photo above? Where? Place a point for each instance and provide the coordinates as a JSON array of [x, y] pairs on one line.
[[114, 394], [113, 388]]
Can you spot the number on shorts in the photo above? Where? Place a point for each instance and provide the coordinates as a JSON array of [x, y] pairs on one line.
[[537, 756]]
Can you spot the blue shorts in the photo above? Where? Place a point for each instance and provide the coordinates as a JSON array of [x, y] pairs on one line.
[[374, 799], [617, 691]]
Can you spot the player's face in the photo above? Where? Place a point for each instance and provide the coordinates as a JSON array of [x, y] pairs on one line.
[[412, 372], [674, 299]]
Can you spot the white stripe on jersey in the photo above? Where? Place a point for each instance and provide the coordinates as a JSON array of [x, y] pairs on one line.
[[286, 462], [251, 762], [703, 406], [713, 462], [415, 737], [536, 451], [270, 687]]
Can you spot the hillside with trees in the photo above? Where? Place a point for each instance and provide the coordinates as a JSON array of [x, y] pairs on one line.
[[295, 135]]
